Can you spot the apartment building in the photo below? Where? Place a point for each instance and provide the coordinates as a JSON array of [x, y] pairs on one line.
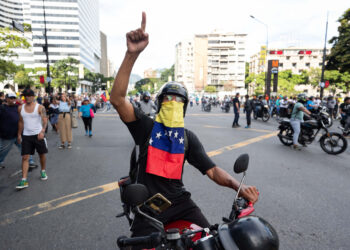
[[293, 58], [215, 59], [72, 29]]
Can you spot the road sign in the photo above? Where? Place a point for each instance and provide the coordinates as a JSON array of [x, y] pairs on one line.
[[48, 79], [321, 84], [326, 84], [274, 70]]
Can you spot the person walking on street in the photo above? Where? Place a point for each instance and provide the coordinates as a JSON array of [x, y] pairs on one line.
[[31, 133], [54, 113], [236, 107], [9, 118], [85, 112], [65, 122], [330, 106], [248, 108]]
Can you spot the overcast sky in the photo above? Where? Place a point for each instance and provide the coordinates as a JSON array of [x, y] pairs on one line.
[[290, 23]]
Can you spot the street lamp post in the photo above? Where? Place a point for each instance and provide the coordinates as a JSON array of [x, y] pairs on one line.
[[324, 60], [267, 45], [46, 50]]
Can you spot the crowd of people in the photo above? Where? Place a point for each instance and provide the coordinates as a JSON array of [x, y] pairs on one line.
[[24, 122]]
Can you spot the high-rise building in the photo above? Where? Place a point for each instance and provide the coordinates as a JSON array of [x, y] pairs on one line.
[[72, 28], [215, 59], [104, 58], [292, 58]]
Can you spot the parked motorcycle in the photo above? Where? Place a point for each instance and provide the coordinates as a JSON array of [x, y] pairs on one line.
[[240, 230], [262, 113], [207, 107], [225, 107], [330, 142]]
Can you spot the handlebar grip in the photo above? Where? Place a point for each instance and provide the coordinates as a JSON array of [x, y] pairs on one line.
[[151, 241], [247, 211]]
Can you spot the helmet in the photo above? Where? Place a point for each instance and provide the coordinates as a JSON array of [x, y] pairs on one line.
[[302, 98], [146, 94], [172, 88], [250, 232]]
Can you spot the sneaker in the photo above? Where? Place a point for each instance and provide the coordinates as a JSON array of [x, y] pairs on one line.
[[2, 165], [43, 175], [22, 184], [296, 147], [86, 133], [90, 134], [61, 146], [247, 126], [32, 165], [69, 146]]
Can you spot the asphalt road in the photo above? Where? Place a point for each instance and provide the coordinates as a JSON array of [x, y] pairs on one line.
[[304, 194]]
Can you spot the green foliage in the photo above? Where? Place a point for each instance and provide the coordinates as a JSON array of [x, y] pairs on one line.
[[65, 73], [339, 58], [23, 79], [210, 89], [165, 73], [148, 84], [133, 92], [9, 41]]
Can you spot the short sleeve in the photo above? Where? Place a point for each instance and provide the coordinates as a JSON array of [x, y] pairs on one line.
[[196, 155], [141, 128]]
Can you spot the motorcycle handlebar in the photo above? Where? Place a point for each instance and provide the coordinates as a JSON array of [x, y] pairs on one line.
[[151, 241]]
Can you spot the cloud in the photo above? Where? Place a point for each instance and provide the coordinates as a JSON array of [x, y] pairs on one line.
[[290, 22]]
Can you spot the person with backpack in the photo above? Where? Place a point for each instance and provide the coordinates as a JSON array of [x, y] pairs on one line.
[[163, 141]]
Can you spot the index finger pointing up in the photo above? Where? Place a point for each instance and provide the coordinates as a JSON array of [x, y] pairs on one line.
[[143, 23]]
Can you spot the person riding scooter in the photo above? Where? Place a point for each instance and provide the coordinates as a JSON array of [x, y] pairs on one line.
[[165, 144]]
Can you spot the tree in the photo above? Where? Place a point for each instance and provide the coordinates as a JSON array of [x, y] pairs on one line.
[[22, 77], [339, 58], [65, 73], [210, 89], [165, 73], [9, 41]]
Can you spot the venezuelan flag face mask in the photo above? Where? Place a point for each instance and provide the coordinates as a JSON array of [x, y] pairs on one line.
[[166, 148]]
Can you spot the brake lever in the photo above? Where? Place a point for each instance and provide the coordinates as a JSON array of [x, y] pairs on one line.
[[247, 211]]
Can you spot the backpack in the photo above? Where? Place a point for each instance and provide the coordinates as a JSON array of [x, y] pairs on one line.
[[136, 156]]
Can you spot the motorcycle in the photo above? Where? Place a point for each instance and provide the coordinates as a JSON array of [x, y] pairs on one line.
[[181, 235], [262, 113], [207, 107], [225, 107], [330, 142], [327, 120]]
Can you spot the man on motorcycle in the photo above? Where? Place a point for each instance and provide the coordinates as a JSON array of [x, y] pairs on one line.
[[344, 110], [161, 171], [146, 104], [310, 104], [297, 117]]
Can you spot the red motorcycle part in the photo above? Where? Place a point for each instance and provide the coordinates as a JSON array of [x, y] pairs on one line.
[[247, 211], [183, 226]]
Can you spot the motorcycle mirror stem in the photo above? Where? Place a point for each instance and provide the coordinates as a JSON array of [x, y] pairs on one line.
[[239, 189]]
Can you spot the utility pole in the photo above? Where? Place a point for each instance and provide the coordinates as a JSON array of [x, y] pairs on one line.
[[46, 50], [324, 60]]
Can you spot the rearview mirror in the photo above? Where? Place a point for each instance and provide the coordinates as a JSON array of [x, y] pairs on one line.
[[135, 194], [241, 164]]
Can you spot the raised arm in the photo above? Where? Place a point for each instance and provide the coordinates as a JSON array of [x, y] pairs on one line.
[[137, 41]]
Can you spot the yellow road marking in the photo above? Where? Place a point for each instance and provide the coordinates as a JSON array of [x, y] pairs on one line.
[[250, 129], [240, 144], [54, 204], [63, 201]]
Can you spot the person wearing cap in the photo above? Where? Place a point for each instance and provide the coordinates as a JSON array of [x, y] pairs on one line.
[[31, 134], [65, 122], [9, 118]]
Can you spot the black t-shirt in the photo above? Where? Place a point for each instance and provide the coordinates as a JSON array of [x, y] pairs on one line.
[[236, 100], [345, 108], [9, 118], [195, 155]]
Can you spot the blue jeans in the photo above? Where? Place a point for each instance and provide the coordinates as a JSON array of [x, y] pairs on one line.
[[5, 147]]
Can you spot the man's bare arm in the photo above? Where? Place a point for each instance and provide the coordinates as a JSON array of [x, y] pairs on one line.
[[137, 41], [222, 178], [43, 117]]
